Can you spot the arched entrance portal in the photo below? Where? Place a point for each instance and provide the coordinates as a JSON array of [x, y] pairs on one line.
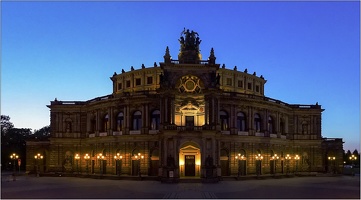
[[190, 160]]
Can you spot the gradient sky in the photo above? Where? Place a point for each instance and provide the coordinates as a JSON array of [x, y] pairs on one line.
[[307, 51]]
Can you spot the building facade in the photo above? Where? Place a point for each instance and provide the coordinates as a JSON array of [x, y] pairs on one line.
[[185, 117]]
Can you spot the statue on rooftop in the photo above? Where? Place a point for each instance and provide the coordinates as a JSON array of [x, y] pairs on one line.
[[189, 47]]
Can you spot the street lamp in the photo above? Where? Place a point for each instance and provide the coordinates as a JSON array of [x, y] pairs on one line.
[[37, 157], [259, 158], [87, 157], [14, 157], [100, 159], [240, 159], [332, 160], [77, 157], [139, 157], [288, 158], [353, 158], [275, 158], [118, 163], [297, 158]]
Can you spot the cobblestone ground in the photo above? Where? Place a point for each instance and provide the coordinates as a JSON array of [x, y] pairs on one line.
[[26, 187]]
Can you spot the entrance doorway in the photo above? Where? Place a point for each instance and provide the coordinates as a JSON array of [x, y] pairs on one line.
[[135, 167], [190, 159], [190, 165], [189, 122]]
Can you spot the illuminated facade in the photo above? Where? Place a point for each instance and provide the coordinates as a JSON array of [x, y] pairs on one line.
[[186, 117]]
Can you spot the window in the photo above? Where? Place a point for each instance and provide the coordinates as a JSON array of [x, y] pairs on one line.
[[128, 83], [119, 86], [229, 81], [270, 125], [120, 120], [282, 126], [250, 86], [149, 80], [257, 122], [257, 88], [68, 125], [240, 84], [224, 120], [155, 120], [241, 121], [93, 123], [137, 120], [304, 128], [106, 122], [137, 81]]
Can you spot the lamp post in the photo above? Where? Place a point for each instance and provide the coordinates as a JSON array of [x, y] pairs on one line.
[[77, 157], [332, 161], [37, 157], [259, 158], [275, 158], [297, 158], [139, 157], [353, 158], [100, 159], [118, 163], [288, 158], [87, 157], [240, 159], [14, 157]]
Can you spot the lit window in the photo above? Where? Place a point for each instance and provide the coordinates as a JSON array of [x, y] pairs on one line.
[[224, 120], [155, 120], [257, 122], [137, 120], [120, 120], [241, 121]]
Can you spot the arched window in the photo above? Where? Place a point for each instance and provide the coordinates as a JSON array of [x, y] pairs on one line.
[[155, 120], [93, 125], [257, 122], [270, 125], [304, 128], [224, 120], [137, 120], [68, 125], [106, 122], [120, 120], [241, 121], [282, 126]]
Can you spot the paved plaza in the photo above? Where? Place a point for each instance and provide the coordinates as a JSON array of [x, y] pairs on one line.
[[26, 187]]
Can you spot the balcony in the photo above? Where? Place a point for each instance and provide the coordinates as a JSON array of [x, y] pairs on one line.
[[244, 133], [153, 132]]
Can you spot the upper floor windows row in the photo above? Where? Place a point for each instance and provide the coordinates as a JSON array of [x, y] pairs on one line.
[[137, 82], [136, 122], [242, 123]]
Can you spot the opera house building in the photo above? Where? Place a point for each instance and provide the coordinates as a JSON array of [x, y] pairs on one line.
[[188, 117]]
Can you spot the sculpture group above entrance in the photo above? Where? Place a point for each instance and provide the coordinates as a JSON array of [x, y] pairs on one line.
[[189, 47]]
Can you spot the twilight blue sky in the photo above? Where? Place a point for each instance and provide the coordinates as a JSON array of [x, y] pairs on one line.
[[307, 51]]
